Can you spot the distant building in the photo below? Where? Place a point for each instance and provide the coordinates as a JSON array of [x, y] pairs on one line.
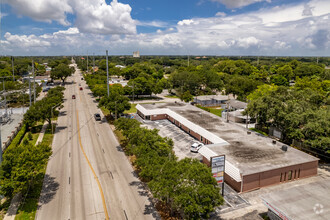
[[120, 66], [211, 100], [136, 54], [95, 69], [236, 105], [118, 80]]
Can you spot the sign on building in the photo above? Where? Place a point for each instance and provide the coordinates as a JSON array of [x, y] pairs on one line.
[[218, 169]]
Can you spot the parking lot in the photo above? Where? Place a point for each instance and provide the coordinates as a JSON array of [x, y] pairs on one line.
[[182, 140]]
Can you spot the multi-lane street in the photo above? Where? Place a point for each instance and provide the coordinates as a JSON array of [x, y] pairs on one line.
[[88, 176]]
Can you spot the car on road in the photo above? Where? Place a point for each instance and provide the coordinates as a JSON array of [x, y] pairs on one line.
[[195, 147], [79, 84], [73, 96], [97, 117], [81, 88], [82, 78]]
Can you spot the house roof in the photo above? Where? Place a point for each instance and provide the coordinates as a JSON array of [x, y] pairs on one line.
[[237, 104], [210, 97]]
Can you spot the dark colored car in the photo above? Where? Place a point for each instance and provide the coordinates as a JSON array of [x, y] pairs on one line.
[[81, 88], [82, 78], [73, 96], [97, 117]]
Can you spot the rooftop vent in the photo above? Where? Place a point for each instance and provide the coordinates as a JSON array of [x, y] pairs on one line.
[[284, 148]]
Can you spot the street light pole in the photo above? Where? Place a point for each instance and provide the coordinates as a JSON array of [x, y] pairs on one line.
[[0, 145], [116, 110], [107, 72], [34, 83], [30, 89], [93, 63], [12, 64]]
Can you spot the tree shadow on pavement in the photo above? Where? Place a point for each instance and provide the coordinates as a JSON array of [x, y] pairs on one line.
[[60, 128], [49, 189], [62, 113], [144, 192], [119, 149], [324, 166]]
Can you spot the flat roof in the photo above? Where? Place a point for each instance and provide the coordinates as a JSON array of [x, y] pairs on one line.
[[237, 104], [209, 97], [310, 201], [250, 153]]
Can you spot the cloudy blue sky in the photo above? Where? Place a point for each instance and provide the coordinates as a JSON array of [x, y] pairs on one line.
[[170, 27]]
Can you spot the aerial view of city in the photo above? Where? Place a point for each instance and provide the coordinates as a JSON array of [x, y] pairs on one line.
[[189, 109]]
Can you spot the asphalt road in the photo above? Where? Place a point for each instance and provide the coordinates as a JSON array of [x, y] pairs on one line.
[[88, 176]]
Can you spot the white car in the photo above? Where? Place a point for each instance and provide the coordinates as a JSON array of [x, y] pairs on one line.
[[195, 147]]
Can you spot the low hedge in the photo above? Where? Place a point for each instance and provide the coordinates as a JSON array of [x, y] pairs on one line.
[[18, 138]]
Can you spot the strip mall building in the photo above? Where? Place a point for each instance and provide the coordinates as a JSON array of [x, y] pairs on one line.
[[252, 160]]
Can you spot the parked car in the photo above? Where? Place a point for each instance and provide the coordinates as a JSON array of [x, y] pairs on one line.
[[195, 147], [97, 117], [82, 78], [73, 96], [81, 88]]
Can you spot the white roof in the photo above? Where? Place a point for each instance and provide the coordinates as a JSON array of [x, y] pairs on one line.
[[207, 152], [190, 125], [230, 169]]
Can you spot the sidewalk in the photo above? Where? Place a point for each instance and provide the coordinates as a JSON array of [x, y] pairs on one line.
[[15, 202], [42, 133]]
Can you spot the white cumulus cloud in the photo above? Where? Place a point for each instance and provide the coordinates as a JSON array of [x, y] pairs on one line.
[[95, 16], [281, 30], [92, 16], [42, 10], [185, 22], [238, 3]]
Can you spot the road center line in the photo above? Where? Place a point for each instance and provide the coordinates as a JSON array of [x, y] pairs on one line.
[[90, 165]]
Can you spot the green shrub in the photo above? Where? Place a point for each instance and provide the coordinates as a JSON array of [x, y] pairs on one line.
[[25, 141], [30, 136], [17, 139]]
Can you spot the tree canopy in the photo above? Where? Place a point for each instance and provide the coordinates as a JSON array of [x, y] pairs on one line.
[[187, 186], [62, 71]]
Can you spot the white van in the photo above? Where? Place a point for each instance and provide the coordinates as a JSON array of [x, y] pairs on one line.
[[195, 147]]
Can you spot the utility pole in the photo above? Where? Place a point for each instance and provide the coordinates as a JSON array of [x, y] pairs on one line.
[[12, 65], [87, 62], [30, 89], [107, 72], [0, 146], [227, 111], [34, 83], [133, 92], [93, 64], [4, 94], [258, 61], [116, 110]]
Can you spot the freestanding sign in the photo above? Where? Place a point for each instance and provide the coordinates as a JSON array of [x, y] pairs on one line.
[[218, 170]]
